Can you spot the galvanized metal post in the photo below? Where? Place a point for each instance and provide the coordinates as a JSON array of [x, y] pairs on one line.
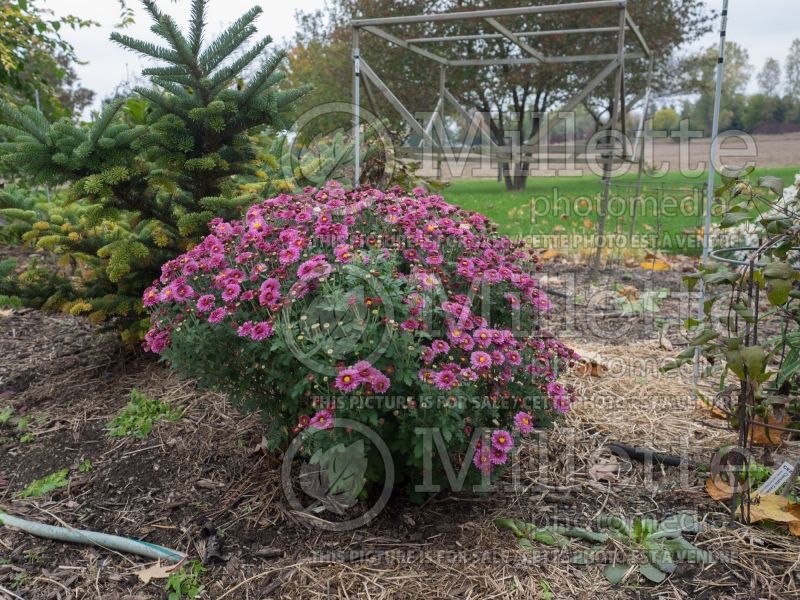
[[356, 108], [711, 177], [440, 115], [609, 154], [640, 152]]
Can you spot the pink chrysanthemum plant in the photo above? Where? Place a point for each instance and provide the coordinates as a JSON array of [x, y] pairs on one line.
[[397, 311]]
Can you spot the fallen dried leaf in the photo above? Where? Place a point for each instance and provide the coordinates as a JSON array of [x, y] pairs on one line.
[[589, 364], [655, 264], [156, 571], [664, 342], [590, 368], [763, 436], [770, 507], [605, 470], [631, 262], [713, 411], [718, 489], [630, 292], [549, 254]]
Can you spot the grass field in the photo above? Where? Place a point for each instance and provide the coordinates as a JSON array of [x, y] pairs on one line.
[[668, 217]]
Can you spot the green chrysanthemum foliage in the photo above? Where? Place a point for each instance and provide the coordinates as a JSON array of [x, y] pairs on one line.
[[143, 180]]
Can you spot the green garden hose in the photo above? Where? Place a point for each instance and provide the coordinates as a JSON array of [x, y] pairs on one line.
[[80, 536]]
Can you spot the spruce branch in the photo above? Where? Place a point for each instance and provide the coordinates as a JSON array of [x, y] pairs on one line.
[[229, 40], [147, 48], [198, 25], [166, 27], [260, 80], [25, 121], [222, 77], [109, 112]]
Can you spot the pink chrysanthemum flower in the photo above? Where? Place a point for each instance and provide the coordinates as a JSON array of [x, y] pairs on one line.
[[480, 360], [445, 380], [150, 296], [342, 253], [482, 460], [512, 299], [231, 292], [245, 329], [217, 315], [440, 347], [347, 380], [288, 255], [524, 422], [427, 356], [498, 457], [322, 420], [379, 382], [205, 303], [502, 440], [469, 375], [261, 331], [482, 337]]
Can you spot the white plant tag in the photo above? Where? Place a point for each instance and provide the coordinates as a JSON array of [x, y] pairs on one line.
[[777, 479]]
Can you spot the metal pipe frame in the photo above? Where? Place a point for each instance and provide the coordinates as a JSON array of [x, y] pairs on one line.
[[618, 106], [533, 57], [520, 34], [490, 16], [509, 35], [488, 13]]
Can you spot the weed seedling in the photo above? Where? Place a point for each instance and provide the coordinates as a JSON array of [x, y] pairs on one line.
[[186, 582], [139, 416], [47, 484]]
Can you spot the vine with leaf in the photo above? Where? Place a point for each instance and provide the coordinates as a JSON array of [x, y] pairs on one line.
[[751, 311]]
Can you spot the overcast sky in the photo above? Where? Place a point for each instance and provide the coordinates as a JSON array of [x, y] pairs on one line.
[[765, 27]]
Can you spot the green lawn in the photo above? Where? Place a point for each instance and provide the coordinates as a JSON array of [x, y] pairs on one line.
[[568, 206]]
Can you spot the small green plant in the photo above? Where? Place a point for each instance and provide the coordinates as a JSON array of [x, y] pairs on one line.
[[85, 466], [5, 415], [544, 588], [660, 543], [27, 438], [47, 484], [138, 417], [186, 582], [20, 581]]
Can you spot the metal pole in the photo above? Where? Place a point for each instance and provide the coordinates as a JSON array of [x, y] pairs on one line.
[[609, 155], [640, 140], [495, 12], [711, 176], [356, 108], [440, 115]]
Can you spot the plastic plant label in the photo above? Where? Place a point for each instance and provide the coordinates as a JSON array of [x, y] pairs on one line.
[[777, 479]]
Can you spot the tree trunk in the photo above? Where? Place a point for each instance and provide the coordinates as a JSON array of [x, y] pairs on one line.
[[515, 179]]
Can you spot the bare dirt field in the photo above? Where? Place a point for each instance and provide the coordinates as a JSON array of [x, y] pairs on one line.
[[763, 151]]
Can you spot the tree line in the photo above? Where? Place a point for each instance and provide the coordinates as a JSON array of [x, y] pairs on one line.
[[774, 108]]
